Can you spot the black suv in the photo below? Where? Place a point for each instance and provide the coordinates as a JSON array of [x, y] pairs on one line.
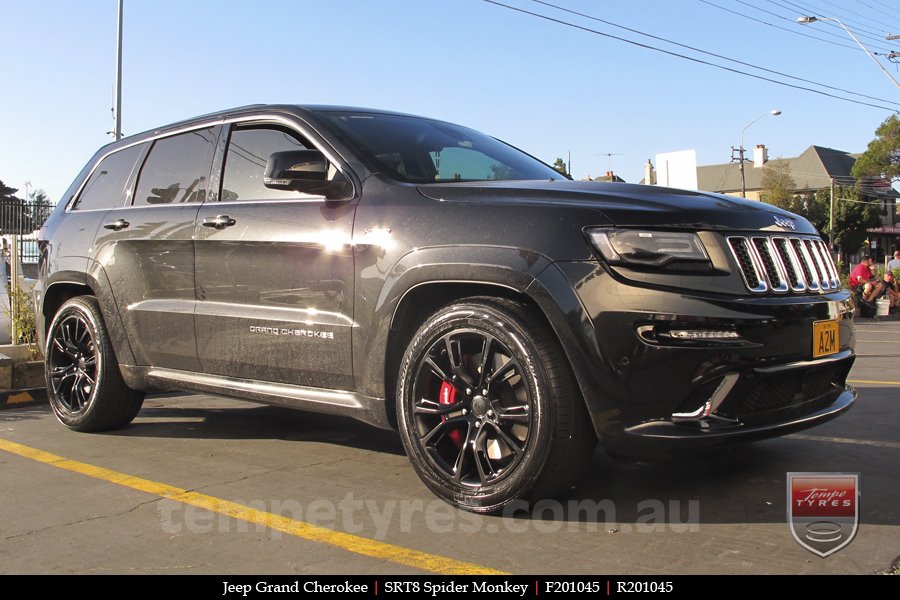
[[422, 276]]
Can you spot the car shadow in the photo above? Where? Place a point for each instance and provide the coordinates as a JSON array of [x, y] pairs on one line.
[[258, 422], [744, 483]]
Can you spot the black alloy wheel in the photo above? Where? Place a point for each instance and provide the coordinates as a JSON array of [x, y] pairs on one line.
[[473, 408], [72, 363], [487, 406], [84, 385]]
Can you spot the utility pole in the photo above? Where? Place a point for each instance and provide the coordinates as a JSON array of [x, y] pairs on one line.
[[740, 159], [774, 112], [831, 218], [892, 55], [118, 130]]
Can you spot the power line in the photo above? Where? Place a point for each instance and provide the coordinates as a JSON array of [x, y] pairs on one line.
[[793, 20], [861, 30], [791, 30], [683, 56], [889, 7], [858, 14], [695, 49]]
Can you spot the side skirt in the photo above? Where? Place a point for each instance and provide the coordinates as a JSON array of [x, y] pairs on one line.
[[336, 402]]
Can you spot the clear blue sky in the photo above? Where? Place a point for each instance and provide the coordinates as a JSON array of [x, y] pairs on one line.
[[539, 85]]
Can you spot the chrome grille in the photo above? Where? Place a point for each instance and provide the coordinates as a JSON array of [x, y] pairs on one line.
[[781, 264]]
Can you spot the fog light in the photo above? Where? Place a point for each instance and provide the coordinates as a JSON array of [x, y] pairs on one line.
[[704, 334]]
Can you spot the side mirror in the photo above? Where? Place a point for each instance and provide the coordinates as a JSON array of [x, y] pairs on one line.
[[305, 171]]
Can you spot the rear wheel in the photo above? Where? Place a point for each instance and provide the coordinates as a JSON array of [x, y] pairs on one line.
[[85, 387], [487, 407]]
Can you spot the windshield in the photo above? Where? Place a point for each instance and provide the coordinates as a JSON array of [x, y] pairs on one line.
[[418, 150]]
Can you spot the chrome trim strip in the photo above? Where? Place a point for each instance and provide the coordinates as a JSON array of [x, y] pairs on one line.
[[260, 118], [761, 287], [146, 140], [822, 272], [711, 405], [231, 384], [829, 265], [794, 262], [781, 286], [806, 363], [815, 284], [247, 312]]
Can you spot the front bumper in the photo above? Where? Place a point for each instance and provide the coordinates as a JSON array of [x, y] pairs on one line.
[[646, 388]]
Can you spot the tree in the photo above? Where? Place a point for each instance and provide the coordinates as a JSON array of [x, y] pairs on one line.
[[560, 165], [853, 215], [14, 217], [7, 193], [882, 157], [40, 206], [778, 186], [814, 208]]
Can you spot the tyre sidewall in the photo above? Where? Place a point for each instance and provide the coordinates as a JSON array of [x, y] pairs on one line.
[[79, 307], [509, 331]]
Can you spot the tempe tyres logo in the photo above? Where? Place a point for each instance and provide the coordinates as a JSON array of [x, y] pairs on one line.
[[823, 510]]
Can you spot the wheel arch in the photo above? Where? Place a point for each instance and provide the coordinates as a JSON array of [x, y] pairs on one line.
[[64, 287], [547, 292]]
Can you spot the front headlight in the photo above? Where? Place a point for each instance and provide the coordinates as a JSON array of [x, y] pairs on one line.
[[637, 248]]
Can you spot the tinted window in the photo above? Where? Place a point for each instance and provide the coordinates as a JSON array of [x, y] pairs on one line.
[[106, 186], [176, 169], [421, 150], [245, 162]]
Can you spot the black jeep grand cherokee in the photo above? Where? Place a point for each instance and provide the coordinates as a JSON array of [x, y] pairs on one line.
[[422, 276]]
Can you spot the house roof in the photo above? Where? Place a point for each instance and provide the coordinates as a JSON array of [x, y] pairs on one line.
[[613, 177], [812, 170]]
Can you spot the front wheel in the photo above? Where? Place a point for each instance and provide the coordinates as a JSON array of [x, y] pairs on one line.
[[85, 387], [487, 407]]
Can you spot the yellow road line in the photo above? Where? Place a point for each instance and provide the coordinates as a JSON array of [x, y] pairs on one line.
[[836, 440], [346, 541], [872, 381]]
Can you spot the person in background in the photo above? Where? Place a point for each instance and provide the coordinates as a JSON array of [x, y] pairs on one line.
[[895, 262], [863, 282], [892, 290]]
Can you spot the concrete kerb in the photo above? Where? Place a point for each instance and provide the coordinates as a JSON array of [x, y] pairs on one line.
[[21, 377]]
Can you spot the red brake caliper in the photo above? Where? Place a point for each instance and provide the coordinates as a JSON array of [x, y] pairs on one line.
[[447, 395]]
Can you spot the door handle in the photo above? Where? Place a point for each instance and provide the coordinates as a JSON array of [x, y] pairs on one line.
[[117, 225], [219, 222]]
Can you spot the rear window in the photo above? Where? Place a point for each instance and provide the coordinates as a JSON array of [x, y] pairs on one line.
[[176, 170], [105, 188]]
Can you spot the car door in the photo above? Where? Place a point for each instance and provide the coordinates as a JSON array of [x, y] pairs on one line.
[[147, 251], [274, 272]]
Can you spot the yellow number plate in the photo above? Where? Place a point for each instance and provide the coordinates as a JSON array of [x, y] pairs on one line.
[[826, 338]]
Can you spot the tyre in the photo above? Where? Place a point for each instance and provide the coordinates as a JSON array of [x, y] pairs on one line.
[[487, 407], [85, 387]]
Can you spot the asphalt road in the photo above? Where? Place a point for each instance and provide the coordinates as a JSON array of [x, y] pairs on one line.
[[199, 484]]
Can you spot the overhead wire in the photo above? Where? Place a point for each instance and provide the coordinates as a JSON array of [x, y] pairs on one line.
[[853, 12], [861, 31], [789, 30], [701, 51], [683, 56], [793, 21], [886, 6]]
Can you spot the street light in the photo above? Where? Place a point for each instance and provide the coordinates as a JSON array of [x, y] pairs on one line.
[[807, 19], [774, 113]]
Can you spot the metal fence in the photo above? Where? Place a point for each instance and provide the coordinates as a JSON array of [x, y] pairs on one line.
[[23, 218]]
